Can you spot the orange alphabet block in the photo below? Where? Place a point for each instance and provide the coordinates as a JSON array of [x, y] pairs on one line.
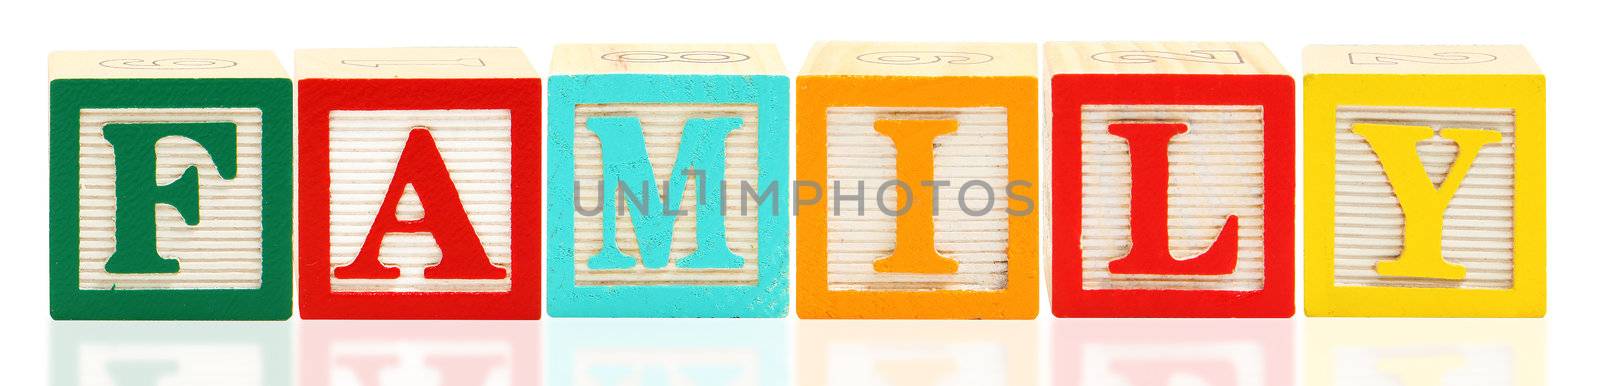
[[918, 181]]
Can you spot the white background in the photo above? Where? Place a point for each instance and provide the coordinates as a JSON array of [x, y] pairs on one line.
[[1559, 33]]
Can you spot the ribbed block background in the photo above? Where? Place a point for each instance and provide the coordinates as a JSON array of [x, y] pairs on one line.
[[363, 149], [1368, 223], [222, 252], [976, 151], [1215, 170], [663, 132]]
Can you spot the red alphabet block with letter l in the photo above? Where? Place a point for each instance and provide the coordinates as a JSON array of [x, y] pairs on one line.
[[419, 175], [1172, 180]]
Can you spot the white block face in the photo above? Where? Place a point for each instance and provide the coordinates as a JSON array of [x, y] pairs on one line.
[[667, 367], [976, 151], [222, 252], [1220, 363], [663, 132], [1424, 364], [421, 362], [363, 150], [1215, 170], [115, 364], [1369, 225], [933, 363]]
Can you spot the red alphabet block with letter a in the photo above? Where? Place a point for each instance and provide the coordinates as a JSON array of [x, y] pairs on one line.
[[419, 175], [1172, 178]]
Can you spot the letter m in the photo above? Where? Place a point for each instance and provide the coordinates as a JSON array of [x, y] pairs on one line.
[[626, 166]]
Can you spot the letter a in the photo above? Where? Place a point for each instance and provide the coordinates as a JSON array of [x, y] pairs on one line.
[[1422, 204], [1151, 252], [913, 234], [461, 253]]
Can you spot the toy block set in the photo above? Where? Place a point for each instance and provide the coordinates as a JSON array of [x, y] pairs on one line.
[[1425, 181], [660, 178], [883, 127], [669, 172], [1171, 180], [170, 185], [419, 184]]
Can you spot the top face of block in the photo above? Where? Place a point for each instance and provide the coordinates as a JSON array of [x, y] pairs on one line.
[[1184, 58], [706, 59], [413, 63], [921, 59], [1447, 60], [164, 65]]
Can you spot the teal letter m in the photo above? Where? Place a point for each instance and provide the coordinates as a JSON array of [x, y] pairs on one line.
[[626, 164]]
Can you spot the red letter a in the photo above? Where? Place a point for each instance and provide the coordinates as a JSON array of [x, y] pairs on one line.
[[1150, 253], [462, 255]]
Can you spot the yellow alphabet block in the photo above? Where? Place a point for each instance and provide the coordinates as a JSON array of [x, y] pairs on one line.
[[1424, 182]]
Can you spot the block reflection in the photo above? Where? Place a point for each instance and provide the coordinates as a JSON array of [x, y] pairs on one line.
[[1160, 352], [419, 353], [917, 353], [668, 352], [169, 353], [1425, 352]]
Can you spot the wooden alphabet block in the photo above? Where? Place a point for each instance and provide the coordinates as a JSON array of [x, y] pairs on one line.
[[669, 169], [170, 185], [420, 184], [1172, 173], [921, 164], [1425, 181]]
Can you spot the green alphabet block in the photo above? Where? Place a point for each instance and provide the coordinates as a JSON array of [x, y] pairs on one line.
[[171, 186]]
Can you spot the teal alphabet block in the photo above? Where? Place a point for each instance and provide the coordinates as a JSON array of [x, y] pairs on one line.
[[668, 173]]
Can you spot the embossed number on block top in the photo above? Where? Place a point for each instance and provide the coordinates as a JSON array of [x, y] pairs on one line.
[[420, 172], [1172, 173], [669, 181], [1424, 181], [170, 185], [917, 181]]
